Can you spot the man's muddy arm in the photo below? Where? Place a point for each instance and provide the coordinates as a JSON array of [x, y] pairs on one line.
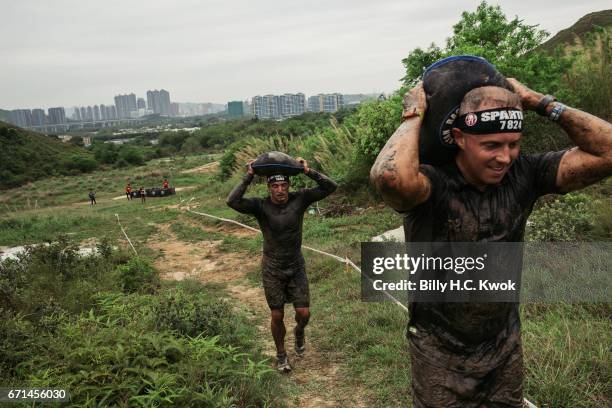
[[591, 160], [395, 173], [326, 186], [236, 199]]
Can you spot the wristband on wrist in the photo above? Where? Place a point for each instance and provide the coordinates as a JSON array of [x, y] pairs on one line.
[[544, 102], [557, 110], [413, 114]]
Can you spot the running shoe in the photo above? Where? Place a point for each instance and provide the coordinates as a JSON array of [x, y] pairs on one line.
[[282, 363]]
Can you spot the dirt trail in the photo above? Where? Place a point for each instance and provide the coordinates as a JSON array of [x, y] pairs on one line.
[[316, 375], [206, 168]]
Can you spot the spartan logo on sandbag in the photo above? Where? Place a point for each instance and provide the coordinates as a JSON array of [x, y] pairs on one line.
[[446, 133]]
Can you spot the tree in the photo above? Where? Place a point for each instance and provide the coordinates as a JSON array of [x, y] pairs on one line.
[[191, 145], [105, 152], [374, 122], [511, 45], [131, 155], [416, 62]]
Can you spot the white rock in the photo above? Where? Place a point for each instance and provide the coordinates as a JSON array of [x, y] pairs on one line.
[[394, 235]]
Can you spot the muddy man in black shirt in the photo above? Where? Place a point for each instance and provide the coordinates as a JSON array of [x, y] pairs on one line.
[[280, 217], [469, 355]]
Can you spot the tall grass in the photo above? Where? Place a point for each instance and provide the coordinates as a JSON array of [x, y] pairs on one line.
[[333, 151]]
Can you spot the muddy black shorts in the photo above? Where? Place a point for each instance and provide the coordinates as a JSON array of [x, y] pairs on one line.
[[436, 385], [286, 286]]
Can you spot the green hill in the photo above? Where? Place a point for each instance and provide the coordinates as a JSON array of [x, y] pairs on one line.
[[588, 43], [27, 156], [577, 33]]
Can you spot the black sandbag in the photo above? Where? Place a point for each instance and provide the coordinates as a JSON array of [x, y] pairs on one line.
[[445, 83], [271, 163]]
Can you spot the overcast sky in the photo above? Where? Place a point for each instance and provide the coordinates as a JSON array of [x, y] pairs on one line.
[[79, 52]]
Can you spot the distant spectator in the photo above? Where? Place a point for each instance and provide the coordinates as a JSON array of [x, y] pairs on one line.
[[143, 195], [166, 184], [92, 197], [128, 191]]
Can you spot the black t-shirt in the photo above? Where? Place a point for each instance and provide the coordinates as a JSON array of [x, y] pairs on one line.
[[475, 335], [281, 224]]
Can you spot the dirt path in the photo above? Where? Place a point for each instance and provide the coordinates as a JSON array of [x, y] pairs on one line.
[[206, 168], [316, 375]]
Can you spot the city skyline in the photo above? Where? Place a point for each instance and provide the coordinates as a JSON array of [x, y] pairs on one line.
[[136, 103], [203, 51]]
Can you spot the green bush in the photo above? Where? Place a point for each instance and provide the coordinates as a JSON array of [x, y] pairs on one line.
[[81, 163], [374, 123], [570, 218], [103, 364], [49, 279], [131, 155], [17, 341], [138, 276], [197, 314], [105, 152], [228, 160]]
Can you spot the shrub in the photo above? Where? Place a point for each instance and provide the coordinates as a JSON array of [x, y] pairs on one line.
[[49, 279], [569, 218], [196, 314], [103, 364], [17, 341], [375, 122], [131, 155], [82, 163], [138, 276]]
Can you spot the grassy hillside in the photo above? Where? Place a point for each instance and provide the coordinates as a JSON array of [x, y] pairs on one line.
[[27, 156], [74, 324], [580, 29], [588, 43]]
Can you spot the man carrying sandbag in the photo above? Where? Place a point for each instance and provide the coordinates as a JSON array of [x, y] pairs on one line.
[[280, 218], [485, 194]]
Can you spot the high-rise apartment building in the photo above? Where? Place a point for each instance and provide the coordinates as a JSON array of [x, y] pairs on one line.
[[292, 104], [21, 117], [76, 115], [159, 102], [112, 112], [325, 102], [266, 107], [126, 104], [165, 102], [38, 117], [57, 116], [141, 104], [314, 104], [277, 107], [96, 113], [235, 109]]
